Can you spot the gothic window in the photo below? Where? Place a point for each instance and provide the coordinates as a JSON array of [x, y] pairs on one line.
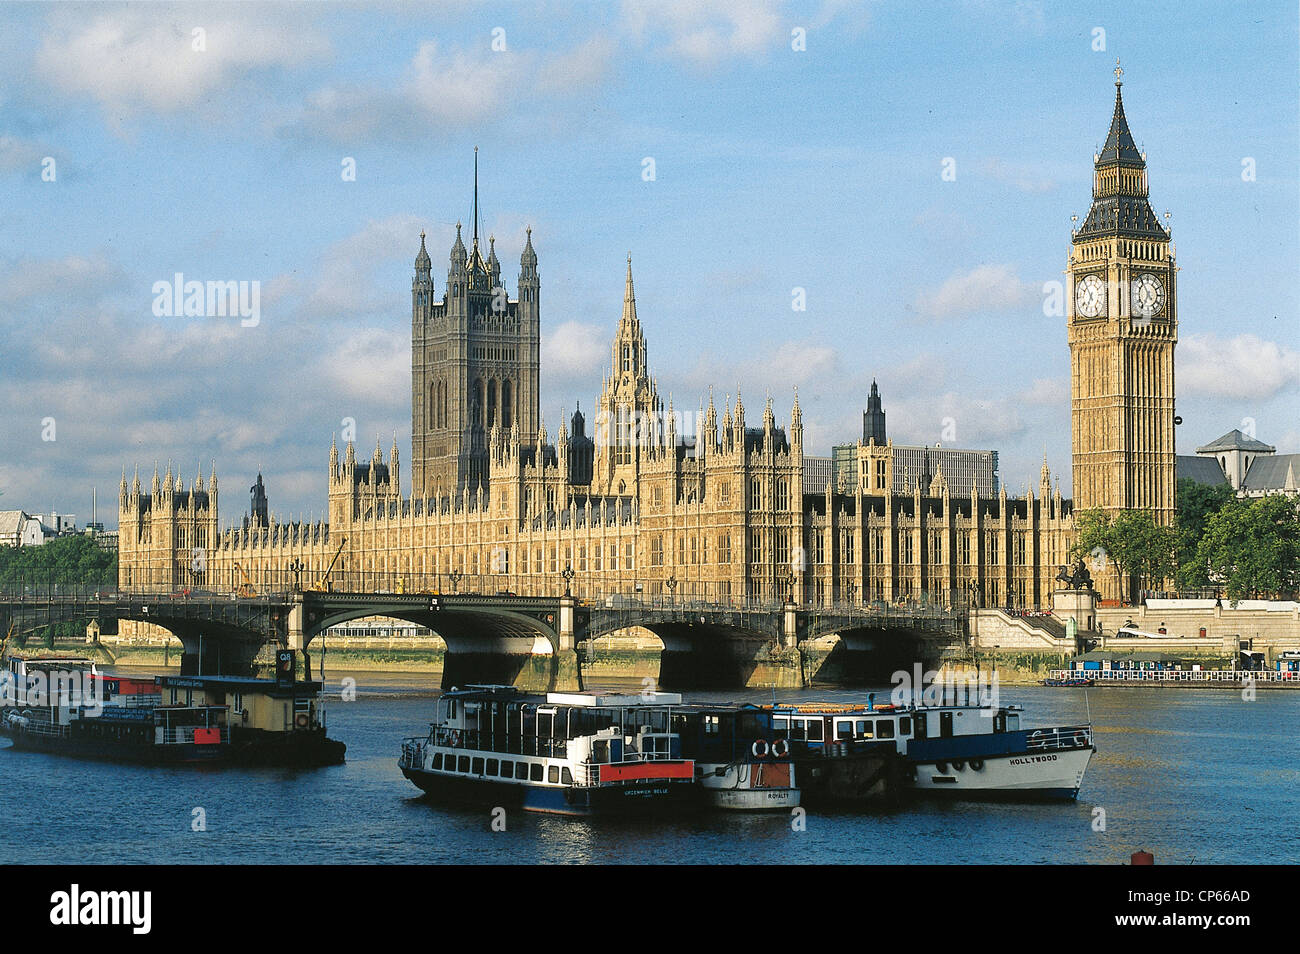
[[724, 548], [724, 492], [623, 435], [507, 405], [819, 546], [756, 548], [477, 411], [781, 545], [755, 493], [491, 403], [431, 411], [907, 548], [880, 474], [782, 494], [879, 540], [849, 556], [656, 550]]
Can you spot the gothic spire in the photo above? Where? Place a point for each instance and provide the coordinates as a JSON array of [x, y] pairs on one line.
[[1119, 146], [629, 296]]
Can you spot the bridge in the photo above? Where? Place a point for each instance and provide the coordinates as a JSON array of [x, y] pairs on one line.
[[537, 642]]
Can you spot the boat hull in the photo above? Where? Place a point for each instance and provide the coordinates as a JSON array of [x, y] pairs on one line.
[[1024, 776], [750, 787], [642, 796], [295, 751]]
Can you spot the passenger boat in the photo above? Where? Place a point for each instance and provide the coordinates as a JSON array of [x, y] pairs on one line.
[[983, 751], [66, 706], [966, 750], [572, 753], [1066, 683], [739, 762]]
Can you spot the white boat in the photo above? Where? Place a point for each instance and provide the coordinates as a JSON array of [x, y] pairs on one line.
[[572, 753]]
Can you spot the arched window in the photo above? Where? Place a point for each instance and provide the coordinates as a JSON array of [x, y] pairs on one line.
[[491, 403], [507, 405]]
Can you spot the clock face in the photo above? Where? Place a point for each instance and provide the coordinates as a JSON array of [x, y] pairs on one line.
[[1148, 294], [1090, 296]]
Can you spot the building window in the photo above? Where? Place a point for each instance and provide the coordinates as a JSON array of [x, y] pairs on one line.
[[783, 494], [724, 548], [656, 550]]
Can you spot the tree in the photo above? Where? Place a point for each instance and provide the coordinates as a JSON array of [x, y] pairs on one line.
[[1140, 548], [65, 560], [1197, 502], [1252, 547]]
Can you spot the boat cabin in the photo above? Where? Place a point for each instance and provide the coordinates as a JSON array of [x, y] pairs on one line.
[[267, 705]]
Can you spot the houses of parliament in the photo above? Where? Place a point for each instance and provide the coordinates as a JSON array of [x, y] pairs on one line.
[[737, 510]]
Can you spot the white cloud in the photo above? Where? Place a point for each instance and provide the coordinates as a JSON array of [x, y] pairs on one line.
[[371, 365], [1046, 392], [133, 58], [575, 350], [344, 279], [1245, 366], [707, 33], [983, 288], [443, 88]]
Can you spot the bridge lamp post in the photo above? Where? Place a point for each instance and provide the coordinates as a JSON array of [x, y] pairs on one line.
[[568, 575], [455, 580], [671, 583], [296, 567]]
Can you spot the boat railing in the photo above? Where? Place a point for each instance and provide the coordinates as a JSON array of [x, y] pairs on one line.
[[48, 729], [1060, 738], [1176, 675]]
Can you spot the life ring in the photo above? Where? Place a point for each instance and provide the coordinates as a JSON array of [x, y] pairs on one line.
[[780, 749], [759, 748], [1081, 739], [301, 720], [977, 765]]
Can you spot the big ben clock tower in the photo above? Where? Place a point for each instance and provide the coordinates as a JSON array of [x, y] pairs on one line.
[[1123, 324]]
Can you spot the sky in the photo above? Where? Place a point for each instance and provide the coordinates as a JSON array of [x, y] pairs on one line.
[[739, 153]]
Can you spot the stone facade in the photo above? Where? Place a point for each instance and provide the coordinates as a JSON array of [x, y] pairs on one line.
[[727, 513]]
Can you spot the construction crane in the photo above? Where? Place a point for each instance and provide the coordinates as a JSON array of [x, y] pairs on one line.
[[323, 584], [244, 590]]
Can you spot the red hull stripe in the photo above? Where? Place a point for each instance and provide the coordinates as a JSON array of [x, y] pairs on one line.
[[638, 770]]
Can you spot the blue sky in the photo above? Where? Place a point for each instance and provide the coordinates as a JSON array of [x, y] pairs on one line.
[[774, 169]]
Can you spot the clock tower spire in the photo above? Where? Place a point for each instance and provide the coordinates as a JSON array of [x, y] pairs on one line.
[[1122, 328]]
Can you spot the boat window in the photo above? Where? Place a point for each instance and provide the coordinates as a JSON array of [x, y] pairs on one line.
[[904, 725], [600, 751], [553, 774], [712, 725], [780, 727], [535, 771], [521, 770], [885, 728], [507, 769], [798, 729], [945, 725], [844, 729], [477, 768], [866, 729], [492, 766], [922, 725], [1000, 722], [437, 760], [566, 776], [815, 730], [462, 764]]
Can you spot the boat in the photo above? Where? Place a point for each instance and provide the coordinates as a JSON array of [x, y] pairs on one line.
[[837, 766], [739, 763], [569, 753], [66, 706], [1066, 683], [975, 751]]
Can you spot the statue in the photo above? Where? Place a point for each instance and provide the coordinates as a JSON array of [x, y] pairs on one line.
[[1077, 579]]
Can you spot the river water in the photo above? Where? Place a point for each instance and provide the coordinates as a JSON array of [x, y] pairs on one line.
[[1194, 776]]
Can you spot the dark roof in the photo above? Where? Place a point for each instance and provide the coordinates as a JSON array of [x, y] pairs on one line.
[[1235, 440], [1270, 473], [1128, 215], [1203, 470], [1120, 148]]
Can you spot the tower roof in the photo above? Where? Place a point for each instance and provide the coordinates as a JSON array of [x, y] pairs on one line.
[[1235, 440], [1120, 147]]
